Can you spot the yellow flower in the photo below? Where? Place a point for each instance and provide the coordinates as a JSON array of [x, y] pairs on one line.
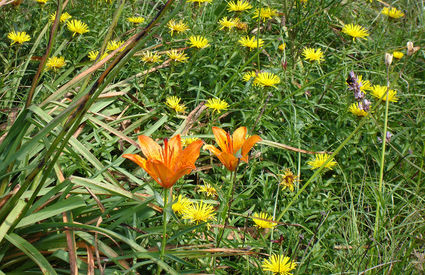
[[251, 43], [136, 20], [177, 56], [64, 16], [393, 12], [265, 13], [240, 5], [18, 37], [364, 84], [198, 42], [279, 264], [199, 1], [174, 103], [113, 45], [267, 79], [93, 55], [188, 140], [282, 46], [304, 1], [55, 63], [398, 55], [76, 26], [288, 180], [263, 220], [199, 212], [177, 27], [355, 31], [311, 54], [181, 204], [41, 1], [150, 57], [248, 75], [228, 23], [217, 104], [379, 91], [356, 110], [319, 160], [207, 188]]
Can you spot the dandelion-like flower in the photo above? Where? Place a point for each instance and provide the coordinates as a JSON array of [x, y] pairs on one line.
[[41, 1], [76, 26], [55, 63], [217, 104], [18, 37], [150, 57], [311, 54], [225, 23], [248, 75], [267, 79], [208, 189], [198, 41], [398, 55], [393, 12], [282, 46], [319, 160], [263, 220], [168, 163], [136, 20], [238, 6], [199, 212], [379, 91], [177, 27], [93, 55], [174, 103], [234, 148], [364, 84], [265, 13], [113, 45], [64, 16], [355, 31], [181, 204], [188, 140], [177, 56], [251, 43], [279, 264], [356, 110], [288, 180]]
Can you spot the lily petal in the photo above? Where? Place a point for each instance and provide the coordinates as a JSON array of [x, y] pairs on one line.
[[238, 138], [190, 154], [137, 159], [150, 148], [221, 138], [249, 143], [228, 160], [160, 173]]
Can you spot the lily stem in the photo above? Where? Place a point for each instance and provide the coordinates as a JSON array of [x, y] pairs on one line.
[[164, 227], [226, 209]]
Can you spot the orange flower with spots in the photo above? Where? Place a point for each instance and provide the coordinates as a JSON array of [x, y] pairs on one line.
[[169, 163], [233, 147]]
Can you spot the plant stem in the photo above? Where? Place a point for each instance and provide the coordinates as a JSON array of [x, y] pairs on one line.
[[164, 228], [381, 168], [226, 210]]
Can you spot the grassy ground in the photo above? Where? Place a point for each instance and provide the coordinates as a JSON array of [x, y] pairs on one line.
[[70, 203]]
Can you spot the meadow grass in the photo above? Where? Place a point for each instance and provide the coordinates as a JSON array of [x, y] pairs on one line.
[[329, 187]]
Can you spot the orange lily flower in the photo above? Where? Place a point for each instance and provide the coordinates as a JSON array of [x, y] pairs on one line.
[[166, 165], [233, 147]]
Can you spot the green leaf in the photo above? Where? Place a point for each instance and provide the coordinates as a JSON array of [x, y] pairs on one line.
[[52, 210], [31, 252]]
